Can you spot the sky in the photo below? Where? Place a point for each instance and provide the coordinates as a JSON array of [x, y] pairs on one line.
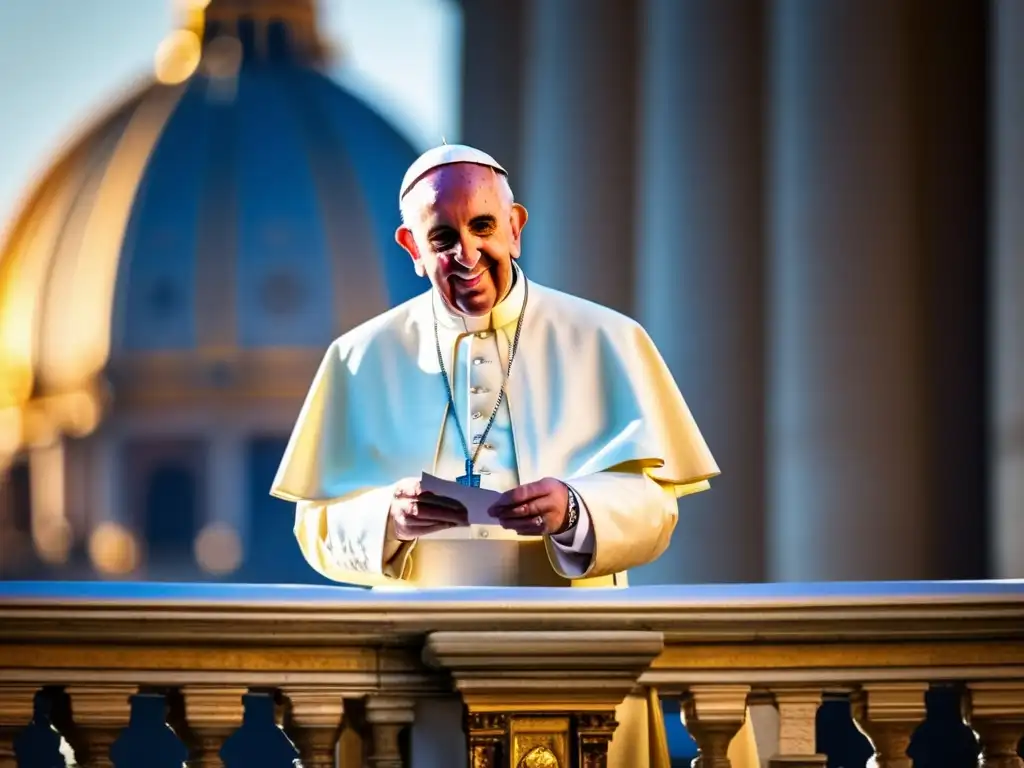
[[63, 60]]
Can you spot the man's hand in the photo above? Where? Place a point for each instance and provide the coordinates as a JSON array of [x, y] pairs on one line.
[[534, 509], [414, 514]]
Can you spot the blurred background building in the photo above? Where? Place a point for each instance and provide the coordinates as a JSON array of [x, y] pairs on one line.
[[816, 207]]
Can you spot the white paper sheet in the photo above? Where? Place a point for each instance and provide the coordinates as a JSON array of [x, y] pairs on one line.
[[475, 500]]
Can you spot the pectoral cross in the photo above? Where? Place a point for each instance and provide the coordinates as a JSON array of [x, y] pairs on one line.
[[469, 479]]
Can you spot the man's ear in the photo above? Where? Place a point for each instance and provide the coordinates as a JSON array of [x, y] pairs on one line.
[[517, 222], [403, 236]]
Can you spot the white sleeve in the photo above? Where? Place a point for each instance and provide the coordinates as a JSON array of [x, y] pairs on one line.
[[351, 539], [357, 531]]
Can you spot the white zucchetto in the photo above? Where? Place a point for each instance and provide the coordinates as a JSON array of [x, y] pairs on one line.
[[446, 154]]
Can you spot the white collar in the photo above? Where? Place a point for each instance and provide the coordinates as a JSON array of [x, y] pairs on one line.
[[505, 312]]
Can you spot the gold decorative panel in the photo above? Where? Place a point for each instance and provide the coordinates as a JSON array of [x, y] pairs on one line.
[[540, 742], [539, 757]]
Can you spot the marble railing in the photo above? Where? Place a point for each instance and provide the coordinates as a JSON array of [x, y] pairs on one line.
[[336, 673]]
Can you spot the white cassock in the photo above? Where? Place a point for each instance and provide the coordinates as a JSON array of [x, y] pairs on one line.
[[589, 401]]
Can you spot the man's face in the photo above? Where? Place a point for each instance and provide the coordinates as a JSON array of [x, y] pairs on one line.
[[463, 231]]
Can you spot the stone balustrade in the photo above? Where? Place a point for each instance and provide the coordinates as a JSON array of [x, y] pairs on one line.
[[332, 674]]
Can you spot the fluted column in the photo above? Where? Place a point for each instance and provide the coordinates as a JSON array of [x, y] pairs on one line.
[[1007, 349], [100, 712], [847, 444], [890, 713], [700, 247], [578, 147]]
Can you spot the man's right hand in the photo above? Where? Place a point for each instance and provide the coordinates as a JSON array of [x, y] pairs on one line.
[[414, 514]]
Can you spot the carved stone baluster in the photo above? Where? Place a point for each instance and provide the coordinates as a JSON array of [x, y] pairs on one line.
[[387, 717], [212, 713], [316, 719], [488, 737], [714, 715], [889, 713], [16, 705], [594, 731], [100, 713], [798, 711], [997, 715]]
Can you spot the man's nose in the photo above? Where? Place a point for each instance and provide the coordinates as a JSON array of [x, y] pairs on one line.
[[469, 253]]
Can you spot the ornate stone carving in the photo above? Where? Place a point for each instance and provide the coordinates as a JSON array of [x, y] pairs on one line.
[[488, 721]]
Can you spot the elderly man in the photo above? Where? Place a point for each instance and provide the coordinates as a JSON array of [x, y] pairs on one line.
[[563, 406]]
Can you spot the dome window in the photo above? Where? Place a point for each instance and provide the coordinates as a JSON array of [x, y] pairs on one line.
[[282, 294], [164, 299]]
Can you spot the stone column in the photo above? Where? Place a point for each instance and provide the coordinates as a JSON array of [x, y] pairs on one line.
[[213, 713], [387, 717], [997, 716], [316, 715], [847, 444], [493, 36], [100, 713], [1007, 170], [113, 546], [714, 714], [700, 263], [218, 545], [578, 139], [798, 711], [51, 531], [889, 713]]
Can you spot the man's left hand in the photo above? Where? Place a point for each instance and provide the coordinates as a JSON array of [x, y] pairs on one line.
[[534, 509]]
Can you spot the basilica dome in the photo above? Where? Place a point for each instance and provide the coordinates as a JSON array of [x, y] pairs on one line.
[[206, 237]]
